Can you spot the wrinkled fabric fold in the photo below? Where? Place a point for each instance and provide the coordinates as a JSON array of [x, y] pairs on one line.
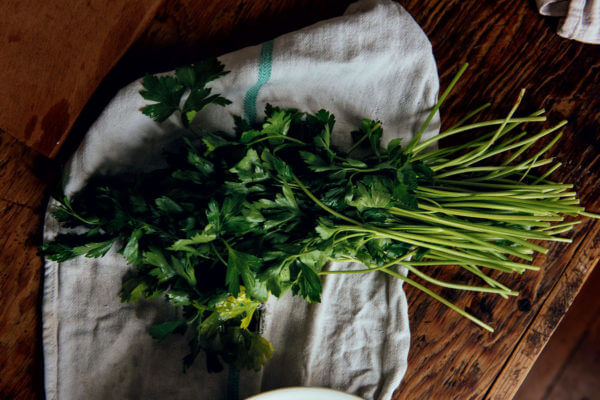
[[580, 18]]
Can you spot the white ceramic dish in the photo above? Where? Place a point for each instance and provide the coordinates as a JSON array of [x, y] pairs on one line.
[[303, 393]]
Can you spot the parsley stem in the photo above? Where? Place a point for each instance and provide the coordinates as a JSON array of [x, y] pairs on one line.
[[361, 271], [470, 115], [426, 242], [449, 285], [410, 239], [66, 207], [344, 238], [467, 225], [529, 220], [410, 266], [566, 224], [469, 156], [292, 139], [364, 137], [528, 142], [438, 154], [417, 138], [487, 279], [214, 248], [320, 204], [547, 173], [589, 214], [495, 170], [539, 207], [476, 125], [438, 298], [358, 143], [518, 187]]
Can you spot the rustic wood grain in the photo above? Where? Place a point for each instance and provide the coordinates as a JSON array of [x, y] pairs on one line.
[[54, 55], [508, 45], [24, 176], [554, 307], [24, 173], [561, 355], [20, 276], [578, 377]]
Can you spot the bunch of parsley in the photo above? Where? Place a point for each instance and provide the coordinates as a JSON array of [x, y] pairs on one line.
[[236, 217]]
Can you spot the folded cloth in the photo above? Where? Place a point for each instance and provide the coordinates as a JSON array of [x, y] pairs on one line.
[[582, 18], [374, 61]]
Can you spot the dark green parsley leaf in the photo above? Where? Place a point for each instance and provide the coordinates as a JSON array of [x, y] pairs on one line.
[[394, 144], [187, 175], [241, 125], [423, 170], [206, 236], [309, 284], [245, 266], [316, 163], [325, 228], [278, 123], [56, 251], [375, 195], [186, 76], [167, 205], [62, 214], [375, 132], [134, 289], [250, 135], [132, 251], [213, 142], [350, 162], [161, 331], [277, 166], [198, 75], [250, 169], [198, 100], [94, 250], [403, 195], [184, 269], [204, 166], [408, 176], [166, 91], [156, 258]]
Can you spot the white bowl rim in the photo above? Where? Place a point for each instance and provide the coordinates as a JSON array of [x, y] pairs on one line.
[[304, 391]]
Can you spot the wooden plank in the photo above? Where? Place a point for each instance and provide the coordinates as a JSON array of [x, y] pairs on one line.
[[545, 322], [24, 176], [24, 173], [557, 356], [54, 55], [571, 383], [508, 46], [20, 278]]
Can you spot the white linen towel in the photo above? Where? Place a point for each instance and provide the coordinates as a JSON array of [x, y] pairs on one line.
[[581, 18], [374, 61]]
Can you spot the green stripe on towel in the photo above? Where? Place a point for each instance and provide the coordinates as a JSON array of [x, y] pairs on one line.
[[264, 74]]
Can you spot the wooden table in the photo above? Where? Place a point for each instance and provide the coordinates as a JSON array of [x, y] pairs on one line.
[[508, 45]]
